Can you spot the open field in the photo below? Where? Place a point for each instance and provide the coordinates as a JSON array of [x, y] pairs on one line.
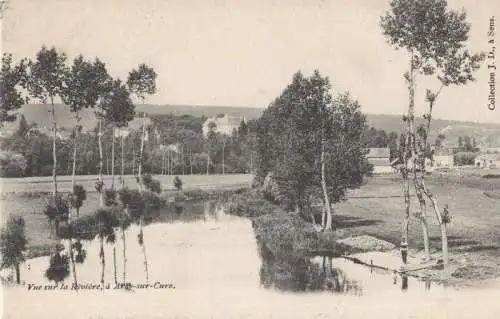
[[474, 231], [44, 184]]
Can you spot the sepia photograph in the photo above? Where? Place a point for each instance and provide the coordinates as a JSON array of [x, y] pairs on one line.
[[249, 159]]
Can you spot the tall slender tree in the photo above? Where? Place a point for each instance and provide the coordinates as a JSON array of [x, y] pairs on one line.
[[434, 38], [142, 82], [102, 87], [119, 111], [46, 82]]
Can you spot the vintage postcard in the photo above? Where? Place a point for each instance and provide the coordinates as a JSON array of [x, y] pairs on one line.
[[249, 159]]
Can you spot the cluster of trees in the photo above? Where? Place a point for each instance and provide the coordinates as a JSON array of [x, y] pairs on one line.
[[121, 209], [434, 38], [466, 151], [309, 146], [84, 84], [174, 145]]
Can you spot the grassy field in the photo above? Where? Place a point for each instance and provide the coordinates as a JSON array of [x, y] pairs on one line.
[[44, 184]]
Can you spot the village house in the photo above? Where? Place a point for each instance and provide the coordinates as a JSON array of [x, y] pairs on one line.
[[487, 161], [225, 124], [443, 158], [379, 158]]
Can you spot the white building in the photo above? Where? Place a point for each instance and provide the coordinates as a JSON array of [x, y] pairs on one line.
[[223, 124], [487, 161]]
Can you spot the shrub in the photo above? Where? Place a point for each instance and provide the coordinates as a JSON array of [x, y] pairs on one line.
[[12, 164], [151, 184], [110, 196], [57, 210], [178, 183], [77, 197]]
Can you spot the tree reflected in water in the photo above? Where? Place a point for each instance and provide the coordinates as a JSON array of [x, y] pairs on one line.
[[287, 272]]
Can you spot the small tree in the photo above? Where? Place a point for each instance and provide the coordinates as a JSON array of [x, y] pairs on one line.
[[56, 210], [119, 110], [13, 244], [142, 82], [78, 196], [45, 82], [82, 90], [151, 184], [178, 183], [12, 80]]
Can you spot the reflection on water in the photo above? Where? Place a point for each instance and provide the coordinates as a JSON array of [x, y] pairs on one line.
[[278, 270], [58, 268], [300, 274]]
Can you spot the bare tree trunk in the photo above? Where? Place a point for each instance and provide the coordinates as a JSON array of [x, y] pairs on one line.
[[18, 273], [72, 258], [142, 149], [162, 163], [124, 256], [75, 146], [442, 224], [144, 251], [182, 158], [103, 261], [113, 159], [133, 158], [114, 264], [326, 199], [99, 177], [54, 148], [208, 161], [409, 146], [191, 161], [223, 151], [123, 160], [423, 218]]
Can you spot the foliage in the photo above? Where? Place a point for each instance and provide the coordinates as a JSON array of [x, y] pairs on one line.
[[46, 74], [178, 183], [118, 106], [13, 241], [464, 158], [57, 209], [12, 164], [110, 196], [142, 81], [12, 80], [435, 37], [58, 268], [84, 82], [106, 220], [151, 184], [78, 196], [292, 131]]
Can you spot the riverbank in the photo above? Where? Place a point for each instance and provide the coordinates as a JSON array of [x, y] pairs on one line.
[[30, 206], [471, 263]]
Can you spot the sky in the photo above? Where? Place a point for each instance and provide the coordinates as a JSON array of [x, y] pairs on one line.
[[244, 53]]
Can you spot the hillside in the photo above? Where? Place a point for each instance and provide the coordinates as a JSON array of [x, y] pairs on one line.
[[487, 134]]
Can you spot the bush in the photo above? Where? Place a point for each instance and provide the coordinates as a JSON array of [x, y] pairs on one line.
[[151, 184], [57, 209], [178, 183], [110, 196], [78, 196], [12, 164]]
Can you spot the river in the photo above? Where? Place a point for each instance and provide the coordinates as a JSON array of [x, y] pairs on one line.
[[203, 263]]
